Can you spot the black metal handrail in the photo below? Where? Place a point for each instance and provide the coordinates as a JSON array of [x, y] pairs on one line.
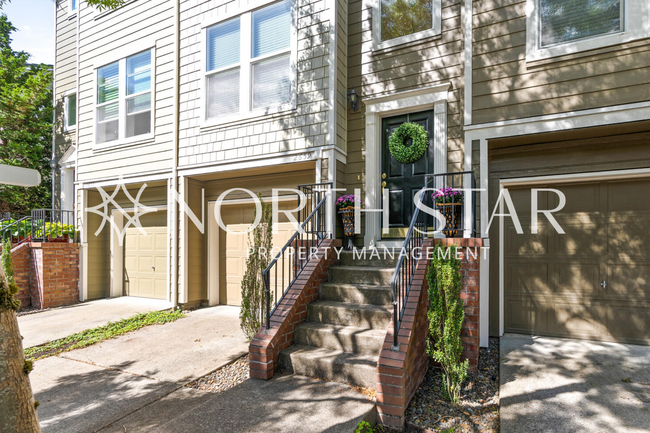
[[20, 230], [460, 219], [406, 263], [287, 265]]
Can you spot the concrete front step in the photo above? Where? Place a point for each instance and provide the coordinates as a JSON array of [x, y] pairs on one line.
[[361, 275], [355, 293], [348, 314], [381, 259], [362, 341], [339, 366]]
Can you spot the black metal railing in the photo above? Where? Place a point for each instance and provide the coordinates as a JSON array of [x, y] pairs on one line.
[[442, 192], [287, 265], [43, 225]]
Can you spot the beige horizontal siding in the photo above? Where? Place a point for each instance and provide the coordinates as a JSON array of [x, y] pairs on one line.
[[505, 87], [107, 38]]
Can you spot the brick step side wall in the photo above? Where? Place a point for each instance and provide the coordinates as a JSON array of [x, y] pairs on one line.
[[265, 348], [400, 372]]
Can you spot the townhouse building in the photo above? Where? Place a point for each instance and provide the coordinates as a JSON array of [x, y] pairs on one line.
[[181, 101]]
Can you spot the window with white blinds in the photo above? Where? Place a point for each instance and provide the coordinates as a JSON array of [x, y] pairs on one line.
[[567, 20], [123, 107], [249, 62], [559, 28]]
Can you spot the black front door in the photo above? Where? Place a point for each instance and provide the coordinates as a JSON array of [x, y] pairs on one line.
[[404, 180]]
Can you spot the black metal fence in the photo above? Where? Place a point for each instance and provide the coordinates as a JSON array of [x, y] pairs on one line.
[[287, 265], [43, 225], [453, 196]]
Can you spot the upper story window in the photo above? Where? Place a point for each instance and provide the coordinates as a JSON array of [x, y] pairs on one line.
[[123, 104], [70, 111], [249, 63], [72, 6], [559, 27], [397, 22], [563, 21]]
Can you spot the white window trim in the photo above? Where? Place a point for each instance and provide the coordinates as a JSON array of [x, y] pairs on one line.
[[635, 26], [378, 45], [72, 13], [66, 95], [245, 63], [123, 141]]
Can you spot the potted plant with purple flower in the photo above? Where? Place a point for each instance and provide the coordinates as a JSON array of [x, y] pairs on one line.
[[450, 202], [346, 204]]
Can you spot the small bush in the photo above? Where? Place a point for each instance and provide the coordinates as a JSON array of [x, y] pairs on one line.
[[253, 292], [8, 287], [446, 316]]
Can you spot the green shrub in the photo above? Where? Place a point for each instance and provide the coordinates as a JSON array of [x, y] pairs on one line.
[[8, 288], [446, 315]]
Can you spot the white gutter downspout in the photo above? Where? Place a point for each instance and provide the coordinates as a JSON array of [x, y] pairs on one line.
[[56, 22], [174, 179]]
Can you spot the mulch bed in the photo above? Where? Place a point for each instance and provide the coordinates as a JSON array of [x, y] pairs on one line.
[[224, 378], [478, 410]]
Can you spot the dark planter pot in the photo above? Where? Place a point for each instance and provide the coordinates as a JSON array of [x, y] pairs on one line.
[[347, 216], [453, 214]]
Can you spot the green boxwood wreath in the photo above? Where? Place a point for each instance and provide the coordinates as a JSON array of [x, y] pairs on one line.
[[412, 153]]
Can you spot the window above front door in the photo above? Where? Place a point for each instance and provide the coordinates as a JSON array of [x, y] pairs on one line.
[[399, 22]]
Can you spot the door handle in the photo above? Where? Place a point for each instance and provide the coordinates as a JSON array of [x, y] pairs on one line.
[[603, 284], [383, 175], [154, 268], [383, 184]]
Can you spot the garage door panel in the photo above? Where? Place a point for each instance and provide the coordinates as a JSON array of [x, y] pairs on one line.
[[581, 279], [526, 316], [578, 319], [629, 324], [628, 195], [516, 245], [528, 278], [580, 198], [630, 280], [628, 236], [582, 239]]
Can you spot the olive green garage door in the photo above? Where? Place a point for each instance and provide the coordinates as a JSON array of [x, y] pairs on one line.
[[592, 282]]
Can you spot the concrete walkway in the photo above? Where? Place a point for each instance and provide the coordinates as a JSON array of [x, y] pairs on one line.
[[41, 327], [560, 385], [281, 405], [88, 389]]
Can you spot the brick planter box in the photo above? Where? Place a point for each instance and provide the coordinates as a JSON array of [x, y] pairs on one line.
[[46, 273]]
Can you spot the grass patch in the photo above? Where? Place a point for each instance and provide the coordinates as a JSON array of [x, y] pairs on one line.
[[95, 335]]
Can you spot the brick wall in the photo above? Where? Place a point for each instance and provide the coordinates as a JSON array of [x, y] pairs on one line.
[[20, 257], [265, 348], [47, 274], [400, 372], [469, 294]]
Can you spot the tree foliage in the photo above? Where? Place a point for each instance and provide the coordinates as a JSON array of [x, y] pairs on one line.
[[25, 123], [260, 243], [446, 316], [8, 288]]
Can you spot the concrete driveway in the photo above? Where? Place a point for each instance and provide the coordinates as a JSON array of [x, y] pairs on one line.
[[561, 385], [41, 327], [88, 389]]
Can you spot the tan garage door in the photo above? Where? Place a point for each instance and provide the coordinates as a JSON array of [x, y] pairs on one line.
[[592, 282], [145, 262], [233, 248]]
